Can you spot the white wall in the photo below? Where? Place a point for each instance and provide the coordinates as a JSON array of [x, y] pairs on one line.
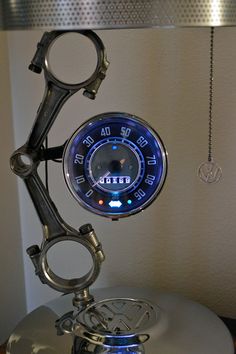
[[12, 288], [184, 242]]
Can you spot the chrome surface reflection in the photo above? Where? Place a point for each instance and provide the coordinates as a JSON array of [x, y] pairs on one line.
[[171, 323], [97, 14]]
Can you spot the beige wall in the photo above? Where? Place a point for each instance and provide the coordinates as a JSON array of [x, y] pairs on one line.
[[12, 293], [184, 242]]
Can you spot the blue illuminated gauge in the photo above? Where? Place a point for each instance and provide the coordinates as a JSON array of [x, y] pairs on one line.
[[115, 164]]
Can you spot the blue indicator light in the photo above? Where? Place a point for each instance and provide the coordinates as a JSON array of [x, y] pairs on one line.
[[129, 201], [114, 147], [115, 204]]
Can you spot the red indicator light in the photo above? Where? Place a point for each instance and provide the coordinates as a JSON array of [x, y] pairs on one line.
[[100, 202]]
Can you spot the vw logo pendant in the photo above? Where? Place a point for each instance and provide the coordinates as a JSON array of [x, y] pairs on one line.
[[209, 172]]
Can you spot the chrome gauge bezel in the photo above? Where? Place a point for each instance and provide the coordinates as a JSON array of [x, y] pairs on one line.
[[90, 126]]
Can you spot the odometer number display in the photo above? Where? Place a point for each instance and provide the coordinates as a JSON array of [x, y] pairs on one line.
[[115, 164]]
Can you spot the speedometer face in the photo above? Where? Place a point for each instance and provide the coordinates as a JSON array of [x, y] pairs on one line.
[[115, 164]]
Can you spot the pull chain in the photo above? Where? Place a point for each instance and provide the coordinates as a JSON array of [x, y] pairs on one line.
[[211, 94], [210, 171]]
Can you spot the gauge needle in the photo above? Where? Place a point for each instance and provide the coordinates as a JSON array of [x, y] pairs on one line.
[[104, 176], [122, 161]]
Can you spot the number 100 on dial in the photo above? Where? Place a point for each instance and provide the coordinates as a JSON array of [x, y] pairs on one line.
[[115, 164]]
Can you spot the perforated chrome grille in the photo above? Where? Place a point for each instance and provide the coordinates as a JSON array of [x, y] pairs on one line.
[[102, 14]]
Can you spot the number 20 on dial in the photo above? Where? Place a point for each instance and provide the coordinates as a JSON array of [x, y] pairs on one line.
[[115, 164]]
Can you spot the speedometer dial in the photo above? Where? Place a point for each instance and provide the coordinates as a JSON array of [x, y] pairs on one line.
[[115, 164]]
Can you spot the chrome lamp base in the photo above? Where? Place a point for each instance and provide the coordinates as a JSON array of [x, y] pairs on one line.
[[123, 320]]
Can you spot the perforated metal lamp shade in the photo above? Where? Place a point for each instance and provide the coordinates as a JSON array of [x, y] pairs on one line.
[[112, 14]]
